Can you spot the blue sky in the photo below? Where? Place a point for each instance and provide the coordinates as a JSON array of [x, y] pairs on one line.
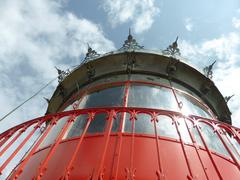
[[37, 35]]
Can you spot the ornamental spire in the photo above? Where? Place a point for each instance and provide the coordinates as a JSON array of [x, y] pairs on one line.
[[208, 70], [62, 74], [172, 49], [91, 53], [227, 98], [130, 43]]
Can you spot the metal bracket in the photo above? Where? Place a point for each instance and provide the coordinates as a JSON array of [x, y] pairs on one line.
[[172, 67], [90, 71], [130, 62]]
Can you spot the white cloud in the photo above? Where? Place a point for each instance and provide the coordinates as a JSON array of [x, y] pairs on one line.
[[236, 22], [226, 50], [188, 24], [35, 36], [139, 12]]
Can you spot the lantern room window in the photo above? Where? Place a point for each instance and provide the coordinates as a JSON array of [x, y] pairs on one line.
[[155, 97]]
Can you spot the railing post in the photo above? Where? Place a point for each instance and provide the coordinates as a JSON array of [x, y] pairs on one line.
[[160, 172], [98, 175], [24, 162], [229, 151], [70, 167], [20, 146], [53, 148], [209, 153], [120, 135], [22, 130], [192, 176], [6, 137], [196, 147]]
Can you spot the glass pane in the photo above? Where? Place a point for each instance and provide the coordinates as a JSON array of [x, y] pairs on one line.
[[56, 129], [116, 122], [191, 106], [234, 142], [230, 141], [143, 124], [68, 108], [98, 124], [77, 127], [127, 123], [166, 127], [212, 140], [102, 98], [184, 131], [151, 97], [195, 133]]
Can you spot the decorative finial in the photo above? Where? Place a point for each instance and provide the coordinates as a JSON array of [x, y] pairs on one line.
[[90, 53], [208, 70], [130, 43], [62, 74], [227, 98], [48, 101], [172, 49]]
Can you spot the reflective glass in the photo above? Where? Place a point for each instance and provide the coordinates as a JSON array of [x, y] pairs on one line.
[[77, 127], [143, 124], [151, 97], [195, 133], [56, 129], [191, 106], [116, 122], [98, 124], [184, 131], [232, 144], [166, 127], [107, 97], [212, 140], [128, 124]]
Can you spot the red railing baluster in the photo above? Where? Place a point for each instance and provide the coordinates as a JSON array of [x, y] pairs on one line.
[[192, 176], [99, 173], [12, 141], [154, 119], [120, 135], [209, 153], [228, 149], [235, 149], [5, 138], [196, 148], [53, 148], [19, 147], [24, 162], [69, 166]]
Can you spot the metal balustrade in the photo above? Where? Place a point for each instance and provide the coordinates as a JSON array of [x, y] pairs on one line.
[[214, 137]]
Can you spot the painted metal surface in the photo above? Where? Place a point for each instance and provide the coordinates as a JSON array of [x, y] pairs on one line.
[[122, 155]]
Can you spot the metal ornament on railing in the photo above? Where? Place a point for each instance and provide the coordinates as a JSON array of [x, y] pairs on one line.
[[208, 70], [130, 43], [172, 49]]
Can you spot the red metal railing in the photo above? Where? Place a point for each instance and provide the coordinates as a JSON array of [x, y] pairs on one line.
[[18, 137]]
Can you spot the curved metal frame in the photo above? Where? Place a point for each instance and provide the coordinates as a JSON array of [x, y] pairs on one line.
[[111, 111]]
